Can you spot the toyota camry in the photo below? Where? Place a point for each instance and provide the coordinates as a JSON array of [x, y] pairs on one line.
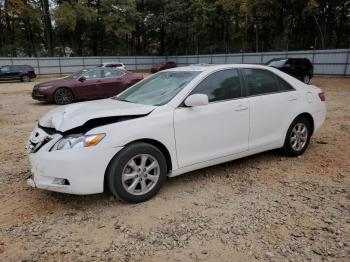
[[172, 122]]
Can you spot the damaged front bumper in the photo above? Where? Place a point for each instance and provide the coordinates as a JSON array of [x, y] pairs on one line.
[[75, 171]]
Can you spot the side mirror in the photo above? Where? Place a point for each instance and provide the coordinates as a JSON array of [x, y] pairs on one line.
[[197, 100], [82, 78]]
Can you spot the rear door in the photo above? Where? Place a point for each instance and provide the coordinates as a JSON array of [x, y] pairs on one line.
[[218, 129], [14, 72], [273, 103], [113, 82]]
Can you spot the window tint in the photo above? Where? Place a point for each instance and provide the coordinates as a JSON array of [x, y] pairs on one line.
[[283, 85], [5, 68], [112, 73], [277, 63], [92, 74], [15, 68], [219, 86], [113, 65], [263, 82], [27, 68]]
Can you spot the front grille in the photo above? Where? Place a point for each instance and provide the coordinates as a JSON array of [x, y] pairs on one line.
[[35, 91]]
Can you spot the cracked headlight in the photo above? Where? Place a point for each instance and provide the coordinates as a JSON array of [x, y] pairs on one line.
[[77, 141]]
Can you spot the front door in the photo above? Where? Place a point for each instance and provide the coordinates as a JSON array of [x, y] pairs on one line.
[[6, 73], [218, 129]]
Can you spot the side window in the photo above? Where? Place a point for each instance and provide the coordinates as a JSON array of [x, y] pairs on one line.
[[92, 74], [15, 68], [283, 85], [113, 65], [111, 73], [5, 69], [260, 82], [222, 85]]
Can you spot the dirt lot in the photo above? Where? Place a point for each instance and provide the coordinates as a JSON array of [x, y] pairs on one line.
[[265, 207]]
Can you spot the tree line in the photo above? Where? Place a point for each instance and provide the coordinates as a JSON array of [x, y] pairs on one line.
[[170, 27]]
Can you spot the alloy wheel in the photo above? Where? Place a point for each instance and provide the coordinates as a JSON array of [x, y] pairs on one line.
[[63, 96], [299, 136], [140, 174]]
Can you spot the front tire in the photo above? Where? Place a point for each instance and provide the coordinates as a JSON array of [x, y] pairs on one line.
[[298, 137], [63, 96], [136, 173]]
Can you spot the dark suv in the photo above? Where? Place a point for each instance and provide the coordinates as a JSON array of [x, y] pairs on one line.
[[17, 72], [300, 68]]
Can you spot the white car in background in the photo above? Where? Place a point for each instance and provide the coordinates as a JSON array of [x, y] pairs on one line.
[[114, 65], [173, 122]]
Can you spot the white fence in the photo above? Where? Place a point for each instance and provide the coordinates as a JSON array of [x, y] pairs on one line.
[[326, 62]]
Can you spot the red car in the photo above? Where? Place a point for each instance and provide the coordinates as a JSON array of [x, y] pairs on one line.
[[86, 85], [163, 66]]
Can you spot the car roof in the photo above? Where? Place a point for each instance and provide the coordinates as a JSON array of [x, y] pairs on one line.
[[213, 67], [115, 62]]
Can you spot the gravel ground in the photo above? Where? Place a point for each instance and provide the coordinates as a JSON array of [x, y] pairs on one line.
[[264, 207]]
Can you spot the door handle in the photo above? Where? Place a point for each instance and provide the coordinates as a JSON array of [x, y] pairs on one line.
[[292, 98], [241, 108]]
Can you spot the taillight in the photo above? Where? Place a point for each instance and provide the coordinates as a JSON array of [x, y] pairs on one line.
[[322, 96]]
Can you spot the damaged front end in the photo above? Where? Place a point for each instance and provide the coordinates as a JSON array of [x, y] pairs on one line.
[[91, 124]]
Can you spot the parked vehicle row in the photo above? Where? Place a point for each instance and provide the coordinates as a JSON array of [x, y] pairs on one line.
[[23, 73], [172, 122]]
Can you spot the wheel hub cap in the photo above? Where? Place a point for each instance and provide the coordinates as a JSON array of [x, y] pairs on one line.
[[140, 174], [298, 137]]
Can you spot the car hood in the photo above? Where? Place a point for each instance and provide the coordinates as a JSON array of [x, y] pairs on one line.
[[53, 82], [72, 116]]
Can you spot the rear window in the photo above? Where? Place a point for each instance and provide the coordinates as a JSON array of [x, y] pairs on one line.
[[23, 68], [29, 68], [264, 82], [276, 63], [113, 65]]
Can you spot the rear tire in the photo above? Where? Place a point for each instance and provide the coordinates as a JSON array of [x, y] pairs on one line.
[[298, 137], [63, 96], [136, 173], [25, 78], [306, 79]]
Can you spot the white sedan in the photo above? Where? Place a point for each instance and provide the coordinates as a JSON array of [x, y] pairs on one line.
[[172, 122]]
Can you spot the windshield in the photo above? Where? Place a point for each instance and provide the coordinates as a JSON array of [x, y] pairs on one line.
[[276, 63], [75, 75], [158, 89]]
